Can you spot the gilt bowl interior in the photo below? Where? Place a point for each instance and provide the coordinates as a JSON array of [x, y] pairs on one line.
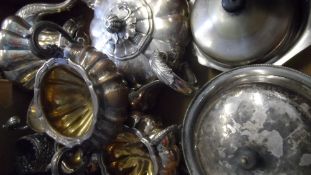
[[66, 102]]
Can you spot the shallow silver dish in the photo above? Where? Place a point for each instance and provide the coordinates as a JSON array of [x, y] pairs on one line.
[[249, 32], [252, 120]]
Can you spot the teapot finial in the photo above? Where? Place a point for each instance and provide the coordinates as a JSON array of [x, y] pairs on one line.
[[233, 5], [114, 24]]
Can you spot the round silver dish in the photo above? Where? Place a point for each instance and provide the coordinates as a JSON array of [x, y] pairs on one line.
[[251, 120], [258, 32]]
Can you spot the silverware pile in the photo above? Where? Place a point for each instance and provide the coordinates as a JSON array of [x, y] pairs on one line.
[[95, 85]]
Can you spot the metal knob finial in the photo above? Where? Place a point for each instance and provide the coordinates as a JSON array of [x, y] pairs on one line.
[[233, 5], [114, 24], [247, 159]]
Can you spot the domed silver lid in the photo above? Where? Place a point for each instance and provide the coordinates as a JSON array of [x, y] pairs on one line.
[[252, 120], [124, 29], [231, 33]]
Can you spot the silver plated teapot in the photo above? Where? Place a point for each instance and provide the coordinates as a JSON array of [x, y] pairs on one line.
[[144, 38]]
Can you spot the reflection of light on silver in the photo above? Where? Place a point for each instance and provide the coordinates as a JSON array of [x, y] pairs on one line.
[[32, 12], [224, 121], [125, 43], [149, 27], [16, 59], [258, 98], [161, 25], [228, 129], [225, 131], [124, 11], [75, 117], [260, 72], [209, 43], [228, 108], [238, 37], [238, 94], [268, 117]]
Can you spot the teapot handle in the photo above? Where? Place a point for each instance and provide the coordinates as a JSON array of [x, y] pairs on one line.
[[51, 50]]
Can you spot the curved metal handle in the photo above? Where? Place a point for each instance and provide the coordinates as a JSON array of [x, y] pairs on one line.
[[167, 76], [144, 98], [51, 50], [303, 43], [160, 136], [146, 141], [59, 157], [31, 12]]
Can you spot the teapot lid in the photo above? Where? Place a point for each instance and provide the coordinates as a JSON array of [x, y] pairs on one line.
[[252, 120], [239, 32]]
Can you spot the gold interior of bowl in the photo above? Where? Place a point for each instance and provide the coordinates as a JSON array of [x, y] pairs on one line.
[[66, 102], [128, 155]]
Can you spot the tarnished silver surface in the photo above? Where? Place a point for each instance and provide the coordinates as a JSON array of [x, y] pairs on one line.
[[145, 148], [32, 12], [259, 32], [69, 161], [130, 31], [96, 109], [166, 74], [250, 121], [132, 36], [163, 141], [17, 61], [74, 27]]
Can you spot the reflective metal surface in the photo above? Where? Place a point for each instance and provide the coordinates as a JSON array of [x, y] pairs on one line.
[[71, 165], [32, 12], [92, 3], [127, 152], [80, 99], [71, 115], [32, 120], [74, 27], [68, 161], [131, 32], [12, 123], [145, 98], [252, 120], [144, 149], [17, 61], [259, 32]]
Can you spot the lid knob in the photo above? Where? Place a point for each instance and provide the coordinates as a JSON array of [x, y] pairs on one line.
[[114, 24], [233, 5], [247, 159]]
